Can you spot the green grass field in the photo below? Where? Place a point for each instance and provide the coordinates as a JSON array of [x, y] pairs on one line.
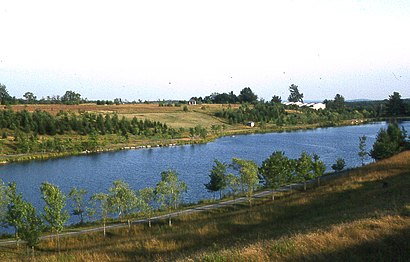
[[363, 215]]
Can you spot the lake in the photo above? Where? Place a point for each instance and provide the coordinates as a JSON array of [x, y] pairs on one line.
[[142, 168]]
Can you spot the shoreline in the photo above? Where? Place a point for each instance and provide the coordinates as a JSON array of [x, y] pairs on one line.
[[146, 144]]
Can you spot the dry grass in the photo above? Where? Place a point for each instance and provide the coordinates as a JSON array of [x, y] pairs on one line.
[[362, 215]]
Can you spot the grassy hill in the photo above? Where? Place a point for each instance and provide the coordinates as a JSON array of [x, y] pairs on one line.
[[363, 215]]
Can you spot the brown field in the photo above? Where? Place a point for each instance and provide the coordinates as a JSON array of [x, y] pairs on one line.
[[171, 115], [363, 215]]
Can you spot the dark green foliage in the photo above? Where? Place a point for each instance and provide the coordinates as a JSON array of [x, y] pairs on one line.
[[218, 180], [43, 123], [276, 170], [247, 96], [295, 96], [339, 165], [389, 142], [395, 106], [71, 98], [4, 95], [304, 168]]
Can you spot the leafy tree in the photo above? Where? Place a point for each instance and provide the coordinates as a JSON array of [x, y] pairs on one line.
[[71, 98], [15, 209], [318, 168], [32, 226], [248, 176], [54, 214], [295, 96], [169, 190], [233, 183], [122, 199], [102, 198], [388, 142], [275, 170], [217, 178], [339, 165], [362, 149], [4, 95], [304, 168], [146, 196], [3, 202], [77, 198], [247, 96], [30, 97], [395, 105]]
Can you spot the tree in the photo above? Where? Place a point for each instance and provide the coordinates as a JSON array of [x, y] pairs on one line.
[[339, 165], [146, 196], [4, 95], [3, 202], [71, 98], [318, 168], [247, 96], [217, 178], [295, 96], [169, 190], [77, 198], [275, 170], [339, 103], [122, 199], [54, 214], [304, 168], [32, 226], [395, 105], [30, 97], [276, 99], [362, 149], [233, 183], [102, 198], [248, 176], [15, 209], [388, 142]]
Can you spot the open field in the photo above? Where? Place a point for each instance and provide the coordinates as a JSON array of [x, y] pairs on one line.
[[174, 116], [363, 215]]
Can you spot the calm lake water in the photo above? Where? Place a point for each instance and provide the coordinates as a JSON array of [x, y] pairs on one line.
[[142, 168]]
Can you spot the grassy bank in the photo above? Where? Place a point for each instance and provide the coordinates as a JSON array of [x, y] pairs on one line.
[[363, 215], [175, 117]]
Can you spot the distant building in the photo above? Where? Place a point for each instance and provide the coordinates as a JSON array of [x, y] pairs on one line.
[[250, 124], [315, 106], [192, 102]]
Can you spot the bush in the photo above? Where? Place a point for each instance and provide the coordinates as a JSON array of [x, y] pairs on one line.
[[339, 165]]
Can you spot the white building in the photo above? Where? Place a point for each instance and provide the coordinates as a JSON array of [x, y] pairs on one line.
[[315, 106]]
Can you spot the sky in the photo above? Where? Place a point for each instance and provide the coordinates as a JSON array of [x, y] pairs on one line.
[[177, 49]]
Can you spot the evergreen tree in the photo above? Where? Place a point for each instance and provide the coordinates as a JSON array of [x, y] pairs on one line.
[[295, 96], [339, 165], [217, 178]]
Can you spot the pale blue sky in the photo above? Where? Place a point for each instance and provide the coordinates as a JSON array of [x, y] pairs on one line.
[[177, 49]]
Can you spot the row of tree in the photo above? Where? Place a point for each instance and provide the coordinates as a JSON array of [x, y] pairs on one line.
[[43, 123], [120, 201]]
